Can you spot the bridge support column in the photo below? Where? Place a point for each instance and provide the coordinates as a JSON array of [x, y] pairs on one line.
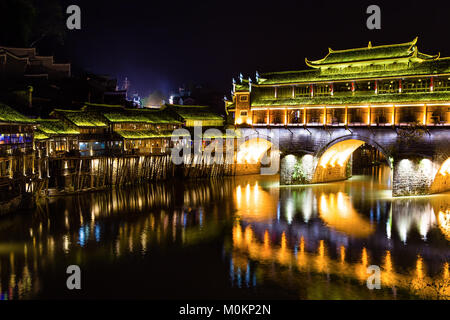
[[413, 177], [297, 169]]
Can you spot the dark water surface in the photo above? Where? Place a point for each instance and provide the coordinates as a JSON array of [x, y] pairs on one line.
[[243, 237]]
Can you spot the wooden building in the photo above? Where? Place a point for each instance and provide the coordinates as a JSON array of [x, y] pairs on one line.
[[106, 129], [387, 85], [16, 151], [54, 137]]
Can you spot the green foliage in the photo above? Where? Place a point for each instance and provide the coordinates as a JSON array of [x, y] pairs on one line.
[[25, 22], [299, 175]]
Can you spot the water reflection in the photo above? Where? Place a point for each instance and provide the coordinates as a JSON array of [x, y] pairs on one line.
[[310, 242], [340, 229]]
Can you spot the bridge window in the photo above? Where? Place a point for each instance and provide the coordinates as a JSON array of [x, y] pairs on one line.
[[357, 116], [314, 116], [259, 116], [295, 116], [277, 116], [438, 115], [381, 115], [409, 115], [335, 116]]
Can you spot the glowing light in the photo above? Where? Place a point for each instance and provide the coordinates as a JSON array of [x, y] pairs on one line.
[[419, 267], [342, 252], [338, 213], [339, 153], [444, 222], [252, 150], [445, 167]]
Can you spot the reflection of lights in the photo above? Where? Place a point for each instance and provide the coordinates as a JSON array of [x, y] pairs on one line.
[[347, 220], [247, 193], [248, 234], [389, 224], [307, 205], [419, 267], [238, 195], [388, 261], [426, 221], [66, 243], [342, 253], [445, 274], [289, 210], [266, 239], [97, 232], [364, 257]]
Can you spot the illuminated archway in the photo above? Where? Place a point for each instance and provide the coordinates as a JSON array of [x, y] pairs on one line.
[[252, 150], [441, 181], [339, 153], [333, 158]]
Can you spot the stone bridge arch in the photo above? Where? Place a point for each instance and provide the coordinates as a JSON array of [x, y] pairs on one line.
[[328, 163]]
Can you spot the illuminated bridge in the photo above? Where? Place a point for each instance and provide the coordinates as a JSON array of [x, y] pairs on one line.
[[391, 97]]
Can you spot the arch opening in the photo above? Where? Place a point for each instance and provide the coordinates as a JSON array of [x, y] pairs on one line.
[[252, 151], [441, 181], [335, 161]]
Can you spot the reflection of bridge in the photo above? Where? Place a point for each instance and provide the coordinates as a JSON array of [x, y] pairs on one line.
[[419, 158], [322, 260]]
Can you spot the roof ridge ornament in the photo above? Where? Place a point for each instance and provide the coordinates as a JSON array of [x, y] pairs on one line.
[[369, 45]]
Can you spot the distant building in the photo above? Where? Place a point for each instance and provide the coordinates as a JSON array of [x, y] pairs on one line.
[[24, 62]]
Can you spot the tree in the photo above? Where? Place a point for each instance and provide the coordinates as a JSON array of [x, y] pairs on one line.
[[23, 23]]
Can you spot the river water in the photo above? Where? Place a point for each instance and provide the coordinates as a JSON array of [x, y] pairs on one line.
[[231, 238]]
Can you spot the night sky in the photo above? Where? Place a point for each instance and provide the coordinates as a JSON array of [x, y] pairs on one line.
[[165, 44]]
